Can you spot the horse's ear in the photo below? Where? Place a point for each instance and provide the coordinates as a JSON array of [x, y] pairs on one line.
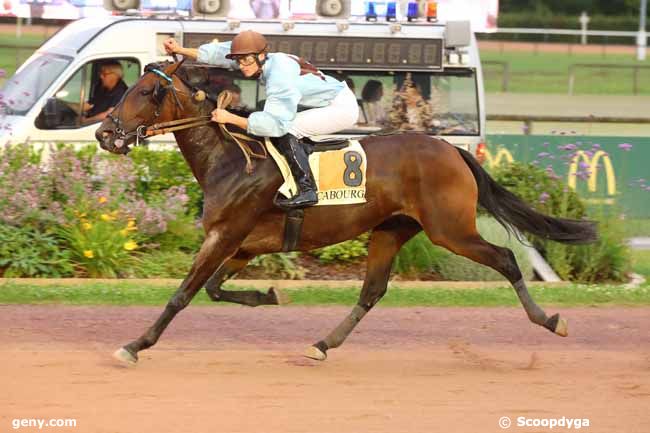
[[172, 68]]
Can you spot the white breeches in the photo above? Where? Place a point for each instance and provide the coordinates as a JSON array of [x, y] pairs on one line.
[[342, 113]]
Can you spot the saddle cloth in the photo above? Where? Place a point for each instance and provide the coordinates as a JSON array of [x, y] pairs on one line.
[[340, 174]]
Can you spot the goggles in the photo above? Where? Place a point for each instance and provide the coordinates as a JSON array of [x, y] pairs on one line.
[[245, 60]]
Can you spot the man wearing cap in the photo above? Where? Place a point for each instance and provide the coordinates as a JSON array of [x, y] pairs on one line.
[[289, 81]]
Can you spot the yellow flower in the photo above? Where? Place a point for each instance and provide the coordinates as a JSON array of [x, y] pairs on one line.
[[86, 226], [89, 254], [124, 232], [130, 226], [106, 217], [102, 200], [130, 245]]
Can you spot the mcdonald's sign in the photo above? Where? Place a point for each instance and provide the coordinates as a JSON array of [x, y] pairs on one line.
[[495, 161], [592, 163]]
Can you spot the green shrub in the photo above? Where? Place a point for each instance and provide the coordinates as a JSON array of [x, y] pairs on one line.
[[459, 268], [161, 264], [24, 252], [279, 265], [541, 189], [182, 234], [101, 246], [419, 256], [91, 201], [158, 171], [345, 251], [606, 260]]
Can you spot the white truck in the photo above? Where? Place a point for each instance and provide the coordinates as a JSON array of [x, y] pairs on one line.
[[422, 76]]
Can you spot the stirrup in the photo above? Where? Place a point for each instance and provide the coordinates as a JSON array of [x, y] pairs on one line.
[[301, 200]]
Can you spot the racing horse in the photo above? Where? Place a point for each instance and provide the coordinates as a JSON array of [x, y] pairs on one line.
[[414, 183]]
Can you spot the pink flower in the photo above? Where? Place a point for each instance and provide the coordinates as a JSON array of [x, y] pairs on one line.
[[543, 197]]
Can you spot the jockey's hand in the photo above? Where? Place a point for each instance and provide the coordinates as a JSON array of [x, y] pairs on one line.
[[171, 46], [221, 116]]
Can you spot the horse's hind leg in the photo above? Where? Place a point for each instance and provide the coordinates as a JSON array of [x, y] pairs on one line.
[[252, 298], [385, 242], [464, 240]]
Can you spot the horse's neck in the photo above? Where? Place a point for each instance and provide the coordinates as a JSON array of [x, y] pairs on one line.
[[205, 150]]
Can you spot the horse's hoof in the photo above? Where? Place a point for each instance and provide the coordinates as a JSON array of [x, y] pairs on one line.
[[557, 325], [314, 352], [125, 357], [279, 296], [562, 327]]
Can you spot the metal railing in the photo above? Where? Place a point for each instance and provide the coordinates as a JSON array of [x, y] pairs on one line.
[[530, 119], [568, 37], [505, 72], [635, 68]]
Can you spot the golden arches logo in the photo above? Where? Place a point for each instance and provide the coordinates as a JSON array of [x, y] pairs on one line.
[[495, 161], [592, 164]]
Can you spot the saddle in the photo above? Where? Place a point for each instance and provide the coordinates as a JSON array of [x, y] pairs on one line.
[[324, 145]]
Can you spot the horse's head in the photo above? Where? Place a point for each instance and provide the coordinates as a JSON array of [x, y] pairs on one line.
[[148, 101]]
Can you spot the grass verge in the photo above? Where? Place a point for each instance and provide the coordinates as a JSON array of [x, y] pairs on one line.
[[125, 293]]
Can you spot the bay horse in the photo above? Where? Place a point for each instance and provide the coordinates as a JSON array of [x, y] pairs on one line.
[[414, 182]]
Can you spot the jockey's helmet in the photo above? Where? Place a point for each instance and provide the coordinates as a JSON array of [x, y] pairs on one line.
[[247, 42]]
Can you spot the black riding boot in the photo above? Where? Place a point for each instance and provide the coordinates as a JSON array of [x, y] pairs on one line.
[[295, 154]]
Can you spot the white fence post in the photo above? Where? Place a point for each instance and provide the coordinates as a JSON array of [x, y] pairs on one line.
[[584, 22]]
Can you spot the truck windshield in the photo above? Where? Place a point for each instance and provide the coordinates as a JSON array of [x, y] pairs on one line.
[[444, 103], [21, 91]]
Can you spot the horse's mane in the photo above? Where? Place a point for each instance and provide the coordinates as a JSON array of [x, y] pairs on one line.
[[211, 79]]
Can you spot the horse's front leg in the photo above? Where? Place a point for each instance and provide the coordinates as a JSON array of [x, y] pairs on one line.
[[215, 250]]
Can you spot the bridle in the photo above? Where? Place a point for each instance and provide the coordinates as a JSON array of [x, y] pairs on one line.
[[159, 93]]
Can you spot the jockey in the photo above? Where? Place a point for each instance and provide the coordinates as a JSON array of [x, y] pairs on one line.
[[289, 81]]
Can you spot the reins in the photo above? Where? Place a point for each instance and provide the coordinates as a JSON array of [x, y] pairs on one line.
[[223, 100]]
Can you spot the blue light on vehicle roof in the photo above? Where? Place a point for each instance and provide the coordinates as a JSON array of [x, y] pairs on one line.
[[391, 11], [371, 13], [412, 11]]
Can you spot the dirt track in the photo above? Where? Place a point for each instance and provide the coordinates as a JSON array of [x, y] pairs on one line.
[[231, 369]]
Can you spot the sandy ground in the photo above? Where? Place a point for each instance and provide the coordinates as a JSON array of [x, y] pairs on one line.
[[233, 369]]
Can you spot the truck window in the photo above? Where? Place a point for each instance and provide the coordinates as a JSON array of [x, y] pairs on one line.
[[437, 103], [21, 92], [89, 95], [443, 103]]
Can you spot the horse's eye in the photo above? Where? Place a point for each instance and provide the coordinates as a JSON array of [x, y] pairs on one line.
[[145, 92]]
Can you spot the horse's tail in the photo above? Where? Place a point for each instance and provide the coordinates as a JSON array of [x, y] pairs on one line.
[[511, 211]]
